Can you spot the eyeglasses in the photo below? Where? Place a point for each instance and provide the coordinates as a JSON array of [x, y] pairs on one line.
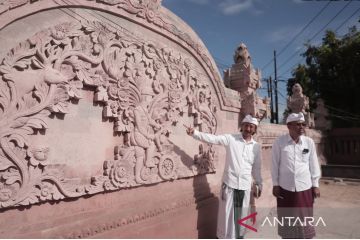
[[298, 124]]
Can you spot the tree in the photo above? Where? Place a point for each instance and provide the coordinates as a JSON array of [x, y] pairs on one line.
[[332, 72]]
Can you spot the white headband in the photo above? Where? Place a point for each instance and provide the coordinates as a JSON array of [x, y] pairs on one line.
[[295, 117], [250, 119]]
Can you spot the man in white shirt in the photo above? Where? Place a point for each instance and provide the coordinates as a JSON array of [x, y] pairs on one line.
[[243, 161], [295, 174]]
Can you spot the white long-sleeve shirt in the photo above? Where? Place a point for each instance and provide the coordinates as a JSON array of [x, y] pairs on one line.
[[243, 159], [295, 166]]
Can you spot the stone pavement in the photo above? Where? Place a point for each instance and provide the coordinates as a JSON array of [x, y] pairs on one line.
[[338, 206]]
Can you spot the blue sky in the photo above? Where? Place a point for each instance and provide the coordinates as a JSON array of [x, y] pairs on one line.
[[264, 26]]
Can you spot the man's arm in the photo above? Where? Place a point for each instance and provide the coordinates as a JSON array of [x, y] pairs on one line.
[[207, 137], [275, 165], [210, 138], [315, 171], [256, 169]]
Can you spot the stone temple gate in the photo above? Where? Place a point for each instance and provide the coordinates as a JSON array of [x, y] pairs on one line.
[[93, 98]]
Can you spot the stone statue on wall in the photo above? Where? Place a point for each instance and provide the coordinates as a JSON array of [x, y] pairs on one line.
[[242, 55], [243, 78], [298, 102], [144, 86]]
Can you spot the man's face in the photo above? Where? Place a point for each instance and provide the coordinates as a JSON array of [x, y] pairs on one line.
[[248, 129], [296, 128]]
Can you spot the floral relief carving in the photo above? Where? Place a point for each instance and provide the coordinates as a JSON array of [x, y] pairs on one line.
[[146, 88], [150, 10]]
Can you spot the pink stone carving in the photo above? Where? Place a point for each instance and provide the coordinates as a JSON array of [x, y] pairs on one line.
[[298, 102], [145, 88], [243, 78], [152, 12]]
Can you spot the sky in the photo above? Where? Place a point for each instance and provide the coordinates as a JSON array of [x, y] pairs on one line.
[[264, 26]]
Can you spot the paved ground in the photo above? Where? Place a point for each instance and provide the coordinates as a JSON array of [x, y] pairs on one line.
[[338, 206]]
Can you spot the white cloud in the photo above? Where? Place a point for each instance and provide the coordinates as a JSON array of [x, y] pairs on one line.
[[230, 7]]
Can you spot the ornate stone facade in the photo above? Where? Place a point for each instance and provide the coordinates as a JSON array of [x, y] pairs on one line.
[[117, 78], [243, 78], [144, 86]]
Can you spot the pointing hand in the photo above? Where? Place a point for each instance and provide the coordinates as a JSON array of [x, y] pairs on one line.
[[189, 130]]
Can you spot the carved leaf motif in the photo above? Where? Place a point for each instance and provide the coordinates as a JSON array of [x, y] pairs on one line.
[[85, 77], [4, 162], [4, 96], [23, 63], [61, 107], [19, 139], [61, 32], [37, 64], [41, 91], [37, 123], [22, 50], [57, 195], [19, 122], [73, 89], [90, 26], [21, 106], [5, 69], [11, 176], [31, 198], [61, 95]]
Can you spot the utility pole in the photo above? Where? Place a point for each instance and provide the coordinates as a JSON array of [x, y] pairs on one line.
[[276, 92], [270, 94]]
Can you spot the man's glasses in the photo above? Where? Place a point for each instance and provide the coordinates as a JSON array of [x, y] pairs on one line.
[[298, 124]]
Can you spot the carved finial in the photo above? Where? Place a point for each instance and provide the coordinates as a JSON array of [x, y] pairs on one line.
[[242, 55]]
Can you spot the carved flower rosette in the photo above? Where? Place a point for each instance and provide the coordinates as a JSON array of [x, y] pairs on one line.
[[142, 85]]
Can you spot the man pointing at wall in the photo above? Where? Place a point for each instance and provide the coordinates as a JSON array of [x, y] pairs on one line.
[[243, 161]]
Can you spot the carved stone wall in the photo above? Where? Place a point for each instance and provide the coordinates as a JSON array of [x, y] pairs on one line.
[[93, 98], [143, 86]]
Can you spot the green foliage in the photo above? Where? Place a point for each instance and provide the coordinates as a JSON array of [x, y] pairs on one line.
[[332, 72]]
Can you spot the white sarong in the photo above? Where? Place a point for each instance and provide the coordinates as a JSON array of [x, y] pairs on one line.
[[226, 223]]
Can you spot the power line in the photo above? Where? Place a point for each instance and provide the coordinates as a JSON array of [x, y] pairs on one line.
[[342, 24], [346, 20], [341, 111], [282, 95], [349, 119], [312, 38], [297, 35], [290, 68], [222, 62], [302, 30]]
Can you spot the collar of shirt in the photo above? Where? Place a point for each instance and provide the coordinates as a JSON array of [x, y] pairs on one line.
[[289, 138], [252, 141]]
